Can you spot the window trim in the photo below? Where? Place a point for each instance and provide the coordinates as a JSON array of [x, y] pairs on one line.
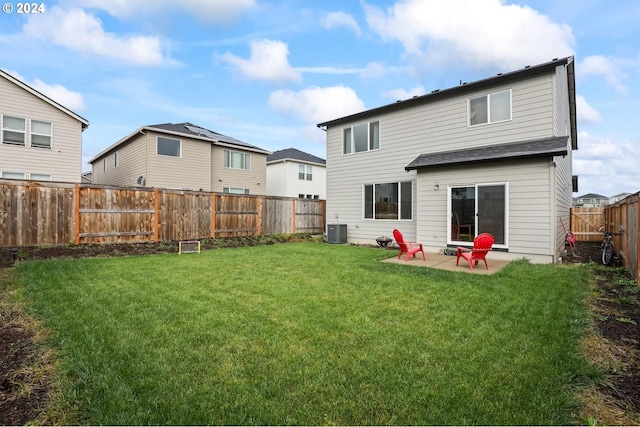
[[41, 174], [50, 135], [116, 159], [305, 172], [487, 96], [371, 142], [239, 190], [179, 156], [399, 203], [226, 160], [24, 132], [24, 174]]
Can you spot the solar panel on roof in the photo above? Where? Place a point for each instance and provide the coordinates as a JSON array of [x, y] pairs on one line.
[[217, 136]]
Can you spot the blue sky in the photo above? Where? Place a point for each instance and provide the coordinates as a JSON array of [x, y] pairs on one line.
[[266, 72]]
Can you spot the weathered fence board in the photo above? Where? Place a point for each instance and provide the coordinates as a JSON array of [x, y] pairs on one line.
[[586, 222], [625, 214], [115, 214], [236, 215], [277, 216], [37, 213]]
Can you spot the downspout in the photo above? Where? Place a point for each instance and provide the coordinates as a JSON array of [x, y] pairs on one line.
[[554, 210]]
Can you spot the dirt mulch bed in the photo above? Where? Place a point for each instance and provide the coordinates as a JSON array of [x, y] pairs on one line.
[[614, 344]]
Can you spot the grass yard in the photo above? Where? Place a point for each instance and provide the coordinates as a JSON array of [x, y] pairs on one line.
[[310, 333]]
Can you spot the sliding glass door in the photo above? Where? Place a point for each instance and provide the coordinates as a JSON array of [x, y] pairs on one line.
[[476, 209]]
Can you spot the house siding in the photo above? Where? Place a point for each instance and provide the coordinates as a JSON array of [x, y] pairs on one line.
[[282, 180], [528, 209], [437, 126], [191, 171], [563, 165], [132, 164], [255, 179], [64, 160], [277, 179]]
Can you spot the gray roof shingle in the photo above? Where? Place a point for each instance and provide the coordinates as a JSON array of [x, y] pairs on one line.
[[548, 147], [294, 154], [195, 130]]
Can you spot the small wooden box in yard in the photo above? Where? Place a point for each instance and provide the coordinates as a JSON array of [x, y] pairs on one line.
[[189, 247]]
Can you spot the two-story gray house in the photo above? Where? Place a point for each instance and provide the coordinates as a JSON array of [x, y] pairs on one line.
[[39, 139], [182, 156], [494, 155]]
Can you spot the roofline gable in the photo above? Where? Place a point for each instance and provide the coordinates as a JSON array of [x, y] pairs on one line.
[[144, 129], [471, 86], [24, 86]]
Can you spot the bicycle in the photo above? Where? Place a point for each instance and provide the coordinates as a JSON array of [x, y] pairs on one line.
[[608, 253]]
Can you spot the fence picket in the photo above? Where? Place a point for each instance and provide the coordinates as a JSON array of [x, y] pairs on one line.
[[35, 213]]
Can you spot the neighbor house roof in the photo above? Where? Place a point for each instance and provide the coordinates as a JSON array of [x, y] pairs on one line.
[[592, 196], [190, 130], [45, 98], [474, 86], [295, 155], [548, 147]]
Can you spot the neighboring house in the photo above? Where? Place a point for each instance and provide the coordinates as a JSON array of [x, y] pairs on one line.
[[86, 178], [618, 197], [182, 156], [590, 200], [294, 173], [39, 138], [492, 155]]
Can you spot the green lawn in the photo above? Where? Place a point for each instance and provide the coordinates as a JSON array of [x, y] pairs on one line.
[[310, 333]]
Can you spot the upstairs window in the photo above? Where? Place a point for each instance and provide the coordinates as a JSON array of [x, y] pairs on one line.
[[14, 130], [492, 108], [40, 134], [169, 147], [116, 159], [362, 137], [237, 160], [305, 172]]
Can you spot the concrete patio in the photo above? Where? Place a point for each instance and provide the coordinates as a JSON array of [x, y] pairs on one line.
[[448, 262]]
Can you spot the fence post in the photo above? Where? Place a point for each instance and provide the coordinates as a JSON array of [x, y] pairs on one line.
[[293, 215], [213, 215], [156, 215], [77, 216], [260, 215]]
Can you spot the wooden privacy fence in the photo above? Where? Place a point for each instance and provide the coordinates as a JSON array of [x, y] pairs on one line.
[[45, 213], [626, 213], [586, 222]]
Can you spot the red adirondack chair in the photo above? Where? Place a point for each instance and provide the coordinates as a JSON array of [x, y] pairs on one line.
[[481, 245], [410, 248]]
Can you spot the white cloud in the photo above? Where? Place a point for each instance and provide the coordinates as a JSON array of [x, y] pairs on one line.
[[316, 104], [596, 147], [329, 70], [606, 166], [586, 113], [60, 94], [341, 19], [268, 62], [481, 33], [605, 67], [82, 32], [217, 11], [402, 94]]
